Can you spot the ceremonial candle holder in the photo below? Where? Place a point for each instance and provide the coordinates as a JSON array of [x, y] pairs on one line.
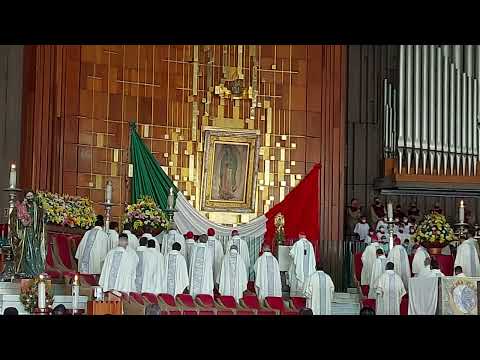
[[170, 213], [108, 214], [12, 197], [390, 230], [461, 230], [8, 273]]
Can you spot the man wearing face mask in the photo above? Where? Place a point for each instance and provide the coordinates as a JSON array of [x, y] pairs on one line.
[[377, 211], [354, 212], [26, 236], [362, 228], [414, 212]]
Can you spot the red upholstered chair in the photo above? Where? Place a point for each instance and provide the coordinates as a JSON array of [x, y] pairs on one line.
[[174, 312], [227, 302], [150, 298], [189, 312], [205, 301], [137, 298], [277, 303], [297, 302], [210, 312], [225, 312], [251, 302], [185, 300], [247, 312], [167, 300]]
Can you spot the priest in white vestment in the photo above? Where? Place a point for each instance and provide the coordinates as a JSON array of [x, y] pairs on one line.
[[132, 239], [426, 271], [119, 269], [159, 268], [378, 269], [459, 271], [233, 277], [362, 228], [147, 268], [242, 247], [92, 250], [189, 244], [176, 273], [216, 251], [435, 268], [302, 265], [112, 235], [171, 237], [319, 290], [148, 234], [467, 258], [389, 292], [267, 275], [418, 262], [399, 257], [201, 269], [369, 256]]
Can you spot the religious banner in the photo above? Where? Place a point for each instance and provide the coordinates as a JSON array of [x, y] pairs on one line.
[[459, 295]]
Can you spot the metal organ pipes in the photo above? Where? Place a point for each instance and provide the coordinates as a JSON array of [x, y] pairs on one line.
[[438, 104]]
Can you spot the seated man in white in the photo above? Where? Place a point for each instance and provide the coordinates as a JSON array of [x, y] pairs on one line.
[[319, 290], [119, 269], [201, 269], [93, 249], [267, 275], [176, 279], [302, 265], [233, 277], [389, 292]]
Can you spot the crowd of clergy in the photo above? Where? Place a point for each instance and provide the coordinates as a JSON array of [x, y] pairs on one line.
[[174, 263], [387, 273]]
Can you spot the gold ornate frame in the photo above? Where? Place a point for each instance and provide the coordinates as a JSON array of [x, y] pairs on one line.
[[251, 138]]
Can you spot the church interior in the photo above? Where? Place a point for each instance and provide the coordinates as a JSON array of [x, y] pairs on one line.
[[239, 179]]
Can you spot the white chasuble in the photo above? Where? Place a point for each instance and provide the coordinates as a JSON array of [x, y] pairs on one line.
[[112, 239], [146, 270], [418, 262], [92, 250], [132, 240], [233, 277], [378, 269], [201, 271], [189, 245], [176, 274], [242, 247], [390, 291], [158, 272], [170, 238], [467, 258], [267, 276], [401, 265], [369, 256], [216, 250], [119, 270], [319, 290], [302, 266]]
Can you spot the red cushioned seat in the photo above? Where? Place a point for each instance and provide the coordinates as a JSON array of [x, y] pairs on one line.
[[151, 298], [137, 297], [225, 312], [276, 303], [297, 302], [206, 312], [250, 302], [205, 301], [245, 312], [266, 312], [228, 302], [190, 312], [185, 300], [167, 299]]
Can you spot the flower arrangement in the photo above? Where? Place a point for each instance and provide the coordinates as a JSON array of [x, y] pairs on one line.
[[66, 210], [146, 212], [434, 231], [29, 296]]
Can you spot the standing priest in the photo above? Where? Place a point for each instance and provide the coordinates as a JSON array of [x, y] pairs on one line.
[[302, 266], [399, 257], [319, 290], [171, 237], [175, 280], [216, 251], [242, 247], [201, 269], [467, 258], [233, 277], [389, 292], [93, 249], [267, 275]]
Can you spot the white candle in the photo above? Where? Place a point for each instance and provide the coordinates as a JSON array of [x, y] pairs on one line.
[[75, 295], [41, 294], [171, 199], [13, 176], [108, 192], [390, 210], [130, 170], [461, 212]]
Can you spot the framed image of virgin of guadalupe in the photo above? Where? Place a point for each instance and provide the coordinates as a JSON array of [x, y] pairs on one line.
[[230, 163]]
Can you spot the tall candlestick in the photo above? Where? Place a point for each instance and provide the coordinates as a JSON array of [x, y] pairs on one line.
[[41, 294], [13, 176], [390, 210], [170, 200], [108, 192], [461, 212], [75, 292]]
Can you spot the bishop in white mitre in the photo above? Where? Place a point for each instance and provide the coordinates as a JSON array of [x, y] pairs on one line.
[[233, 277], [175, 279], [369, 256], [216, 250], [147, 268], [398, 255], [92, 250], [267, 275], [189, 245], [389, 292], [467, 258], [119, 269], [418, 263], [378, 269], [171, 237], [302, 265], [158, 269], [201, 269], [132, 239], [319, 290], [242, 247]]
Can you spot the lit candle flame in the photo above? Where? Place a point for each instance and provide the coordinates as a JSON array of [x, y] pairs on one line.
[[41, 277], [13, 166], [461, 203]]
